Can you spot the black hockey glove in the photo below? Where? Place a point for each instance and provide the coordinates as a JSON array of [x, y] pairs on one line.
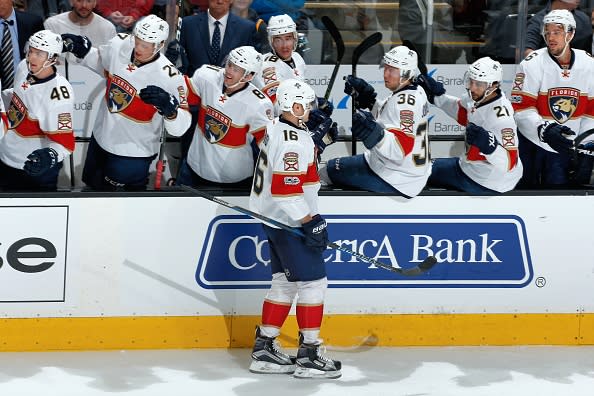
[[481, 138], [316, 117], [40, 161], [555, 136], [177, 55], [581, 165], [325, 134], [325, 106], [432, 88], [316, 234], [165, 103], [365, 128], [363, 94], [78, 45]]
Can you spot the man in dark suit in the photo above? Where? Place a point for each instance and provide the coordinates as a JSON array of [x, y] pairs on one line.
[[21, 26], [199, 41]]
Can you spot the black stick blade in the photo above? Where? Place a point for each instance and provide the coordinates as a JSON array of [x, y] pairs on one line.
[[336, 36], [367, 43]]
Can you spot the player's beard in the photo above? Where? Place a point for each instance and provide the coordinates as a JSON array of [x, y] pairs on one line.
[[87, 16]]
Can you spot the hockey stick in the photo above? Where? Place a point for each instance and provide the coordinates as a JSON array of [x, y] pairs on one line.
[[367, 43], [71, 158], [335, 33], [419, 269]]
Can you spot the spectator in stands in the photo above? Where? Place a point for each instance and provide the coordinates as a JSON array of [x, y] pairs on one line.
[[268, 8], [582, 38], [124, 13], [242, 8], [83, 21]]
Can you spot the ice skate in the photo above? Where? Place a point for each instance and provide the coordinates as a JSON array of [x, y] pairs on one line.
[[267, 357]]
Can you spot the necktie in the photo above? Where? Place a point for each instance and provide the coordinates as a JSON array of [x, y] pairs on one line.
[[215, 45], [6, 57]]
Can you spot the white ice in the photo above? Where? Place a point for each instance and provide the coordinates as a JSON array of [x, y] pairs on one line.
[[444, 371]]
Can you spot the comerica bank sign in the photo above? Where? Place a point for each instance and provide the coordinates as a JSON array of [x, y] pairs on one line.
[[471, 251]]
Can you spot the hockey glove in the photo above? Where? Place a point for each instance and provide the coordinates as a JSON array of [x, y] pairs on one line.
[[78, 45], [555, 136], [325, 134], [363, 94], [432, 88], [40, 161], [582, 164], [316, 117], [316, 234], [325, 106], [481, 138], [165, 103], [366, 129], [177, 55]]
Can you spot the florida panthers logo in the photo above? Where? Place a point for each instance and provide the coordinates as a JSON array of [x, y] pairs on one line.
[[216, 125], [16, 112], [563, 102], [119, 94]]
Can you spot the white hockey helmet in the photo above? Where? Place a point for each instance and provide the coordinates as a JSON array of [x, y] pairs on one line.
[[485, 70], [281, 24], [48, 41], [404, 59], [247, 58], [560, 17], [293, 91], [152, 29]]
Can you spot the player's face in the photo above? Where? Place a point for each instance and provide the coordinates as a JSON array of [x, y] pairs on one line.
[[555, 37], [233, 74], [143, 51], [283, 45], [83, 8], [476, 88], [391, 77], [36, 59], [218, 8]]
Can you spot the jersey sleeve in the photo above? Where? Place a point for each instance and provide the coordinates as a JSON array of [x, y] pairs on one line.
[[261, 115], [453, 107], [292, 169], [524, 97], [505, 157], [180, 124]]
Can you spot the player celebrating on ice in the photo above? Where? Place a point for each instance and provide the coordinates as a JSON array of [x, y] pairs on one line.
[[397, 158], [39, 134], [491, 164], [285, 188], [232, 119], [550, 95], [145, 93]]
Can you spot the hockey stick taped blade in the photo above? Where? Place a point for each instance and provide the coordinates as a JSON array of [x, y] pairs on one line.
[[336, 36], [367, 43]]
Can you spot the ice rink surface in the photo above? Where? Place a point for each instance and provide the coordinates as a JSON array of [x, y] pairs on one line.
[[443, 371]]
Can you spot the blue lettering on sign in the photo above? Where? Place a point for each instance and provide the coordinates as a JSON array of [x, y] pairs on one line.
[[471, 251]]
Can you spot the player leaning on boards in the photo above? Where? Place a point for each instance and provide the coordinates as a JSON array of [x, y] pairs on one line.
[[397, 158], [144, 91], [39, 134], [490, 164], [552, 98], [232, 119], [285, 188]]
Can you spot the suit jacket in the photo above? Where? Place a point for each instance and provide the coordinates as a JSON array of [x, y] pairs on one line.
[[27, 24], [195, 39]]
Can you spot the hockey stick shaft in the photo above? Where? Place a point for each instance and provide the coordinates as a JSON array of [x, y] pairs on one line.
[[336, 36], [367, 43], [427, 264]]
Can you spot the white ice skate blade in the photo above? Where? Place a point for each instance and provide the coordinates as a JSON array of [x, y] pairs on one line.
[[304, 372], [261, 367]]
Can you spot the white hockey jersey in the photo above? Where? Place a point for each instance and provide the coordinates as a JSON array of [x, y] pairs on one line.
[[275, 70], [402, 157], [501, 170], [286, 181], [39, 116], [126, 125], [221, 150], [545, 91]]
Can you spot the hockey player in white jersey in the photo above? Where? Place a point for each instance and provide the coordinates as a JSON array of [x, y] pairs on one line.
[[491, 162], [145, 93], [39, 132], [397, 158], [552, 95], [232, 118], [285, 188]]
